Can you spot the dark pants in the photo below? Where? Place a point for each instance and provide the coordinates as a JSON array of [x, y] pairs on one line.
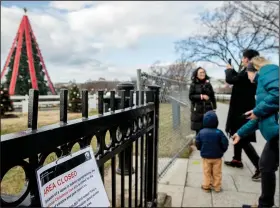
[[269, 163], [248, 149]]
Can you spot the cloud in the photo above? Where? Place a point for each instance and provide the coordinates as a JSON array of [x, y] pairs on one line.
[[70, 5], [71, 34]]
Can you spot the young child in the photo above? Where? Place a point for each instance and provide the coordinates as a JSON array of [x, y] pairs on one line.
[[212, 144]]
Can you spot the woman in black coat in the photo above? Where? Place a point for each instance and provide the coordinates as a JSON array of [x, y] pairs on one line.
[[202, 97]]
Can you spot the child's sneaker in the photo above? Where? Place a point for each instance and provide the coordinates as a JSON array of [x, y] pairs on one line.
[[205, 189], [218, 190]]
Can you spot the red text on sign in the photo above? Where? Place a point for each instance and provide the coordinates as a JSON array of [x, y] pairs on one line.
[[59, 182]]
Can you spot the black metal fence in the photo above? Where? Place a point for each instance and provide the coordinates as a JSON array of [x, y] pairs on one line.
[[133, 126]]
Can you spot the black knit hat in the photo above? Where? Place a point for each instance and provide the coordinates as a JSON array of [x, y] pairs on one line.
[[251, 67]]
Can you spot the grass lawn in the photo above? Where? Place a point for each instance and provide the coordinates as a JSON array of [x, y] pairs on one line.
[[170, 140], [11, 125]]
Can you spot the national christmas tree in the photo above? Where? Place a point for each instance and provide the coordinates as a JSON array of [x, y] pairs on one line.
[[23, 81], [25, 63], [6, 103], [74, 99]]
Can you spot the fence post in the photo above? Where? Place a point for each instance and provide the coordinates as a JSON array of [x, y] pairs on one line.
[[63, 107], [139, 82], [33, 160], [152, 151], [33, 109], [175, 113], [84, 104], [127, 87], [101, 142]]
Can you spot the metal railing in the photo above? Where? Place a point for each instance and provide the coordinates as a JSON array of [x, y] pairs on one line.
[[133, 126]]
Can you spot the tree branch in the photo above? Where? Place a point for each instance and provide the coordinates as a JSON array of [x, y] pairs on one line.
[[228, 35]]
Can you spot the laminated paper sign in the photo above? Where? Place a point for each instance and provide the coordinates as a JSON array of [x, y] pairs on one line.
[[72, 181]]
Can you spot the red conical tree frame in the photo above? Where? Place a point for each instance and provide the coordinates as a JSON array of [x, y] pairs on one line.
[[25, 28]]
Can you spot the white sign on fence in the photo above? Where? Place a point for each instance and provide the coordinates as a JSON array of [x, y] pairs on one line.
[[72, 181]]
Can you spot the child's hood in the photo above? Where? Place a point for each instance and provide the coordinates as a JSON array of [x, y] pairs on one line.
[[210, 120]]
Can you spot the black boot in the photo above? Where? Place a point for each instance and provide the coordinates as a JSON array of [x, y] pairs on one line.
[[257, 176], [234, 163]]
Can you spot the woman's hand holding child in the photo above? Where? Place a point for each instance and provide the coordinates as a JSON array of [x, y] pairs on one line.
[[205, 97]]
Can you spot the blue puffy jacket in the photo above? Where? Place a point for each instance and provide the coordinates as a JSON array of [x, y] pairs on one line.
[[211, 141], [267, 104]]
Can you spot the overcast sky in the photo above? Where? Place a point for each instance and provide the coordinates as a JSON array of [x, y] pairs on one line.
[[76, 36]]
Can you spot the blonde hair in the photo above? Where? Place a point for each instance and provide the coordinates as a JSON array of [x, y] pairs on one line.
[[259, 62]]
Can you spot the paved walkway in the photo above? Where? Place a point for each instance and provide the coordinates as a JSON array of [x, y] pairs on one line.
[[183, 180]]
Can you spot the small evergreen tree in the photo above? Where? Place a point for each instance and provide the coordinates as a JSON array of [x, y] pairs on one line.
[[74, 101], [6, 103]]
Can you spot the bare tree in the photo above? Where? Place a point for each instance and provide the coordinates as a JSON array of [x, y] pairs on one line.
[[264, 14], [158, 69], [226, 37], [181, 70], [169, 76]]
